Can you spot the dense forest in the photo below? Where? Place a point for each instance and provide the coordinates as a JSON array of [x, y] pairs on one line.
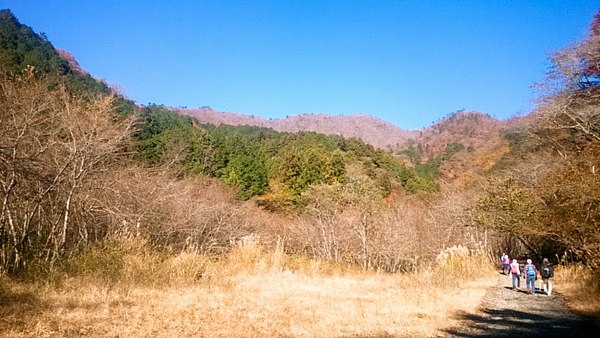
[[279, 167], [79, 163]]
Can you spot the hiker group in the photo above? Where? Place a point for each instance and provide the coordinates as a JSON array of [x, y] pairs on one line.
[[529, 273]]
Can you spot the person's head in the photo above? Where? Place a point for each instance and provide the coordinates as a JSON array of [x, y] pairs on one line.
[[545, 261], [514, 261], [529, 261]]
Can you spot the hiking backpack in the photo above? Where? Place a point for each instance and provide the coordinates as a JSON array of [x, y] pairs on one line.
[[530, 270], [546, 271]]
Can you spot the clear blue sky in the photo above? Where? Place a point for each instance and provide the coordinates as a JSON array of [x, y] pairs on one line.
[[406, 62]]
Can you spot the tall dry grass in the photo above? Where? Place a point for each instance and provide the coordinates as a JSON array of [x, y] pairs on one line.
[[580, 287], [250, 292]]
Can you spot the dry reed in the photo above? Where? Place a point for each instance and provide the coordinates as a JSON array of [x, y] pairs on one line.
[[580, 287], [251, 292]]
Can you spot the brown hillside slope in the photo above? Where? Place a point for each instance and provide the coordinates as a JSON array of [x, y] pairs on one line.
[[474, 129], [374, 131], [481, 137], [480, 134]]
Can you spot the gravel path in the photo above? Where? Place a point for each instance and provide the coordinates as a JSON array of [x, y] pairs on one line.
[[515, 313]]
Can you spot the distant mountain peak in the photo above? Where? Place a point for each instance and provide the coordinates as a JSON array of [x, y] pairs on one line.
[[370, 129]]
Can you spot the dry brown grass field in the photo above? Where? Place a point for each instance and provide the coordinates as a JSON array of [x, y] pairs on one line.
[[580, 287], [252, 292]]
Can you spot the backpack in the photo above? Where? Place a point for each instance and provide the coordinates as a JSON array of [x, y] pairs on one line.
[[530, 270], [546, 271]]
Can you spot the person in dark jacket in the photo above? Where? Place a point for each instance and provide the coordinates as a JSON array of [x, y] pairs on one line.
[[547, 272]]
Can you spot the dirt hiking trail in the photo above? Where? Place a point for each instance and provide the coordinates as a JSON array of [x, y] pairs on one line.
[[515, 313]]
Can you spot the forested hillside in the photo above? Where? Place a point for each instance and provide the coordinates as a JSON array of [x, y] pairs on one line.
[[72, 151], [259, 161], [461, 148], [80, 163], [21, 47]]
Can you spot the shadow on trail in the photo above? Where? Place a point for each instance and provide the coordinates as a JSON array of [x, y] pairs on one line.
[[513, 323], [525, 291], [517, 290]]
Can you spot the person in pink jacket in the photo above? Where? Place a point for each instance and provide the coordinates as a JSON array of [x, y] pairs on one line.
[[515, 272], [505, 262]]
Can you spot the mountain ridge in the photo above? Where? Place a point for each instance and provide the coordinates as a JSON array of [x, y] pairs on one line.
[[370, 129]]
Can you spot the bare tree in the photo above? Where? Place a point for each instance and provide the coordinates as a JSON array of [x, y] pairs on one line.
[[51, 144]]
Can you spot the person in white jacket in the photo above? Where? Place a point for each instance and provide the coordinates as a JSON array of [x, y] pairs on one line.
[[515, 272]]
